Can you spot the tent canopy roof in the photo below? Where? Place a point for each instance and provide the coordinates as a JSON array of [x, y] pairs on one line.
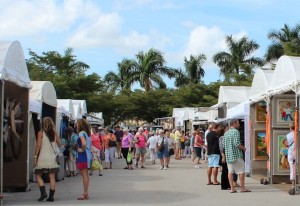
[[81, 104], [43, 91], [12, 64], [260, 84], [239, 111], [232, 94], [67, 105], [286, 75]]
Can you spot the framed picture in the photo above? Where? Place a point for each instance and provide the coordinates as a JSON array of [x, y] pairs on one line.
[[283, 111], [260, 110], [280, 151], [260, 145]]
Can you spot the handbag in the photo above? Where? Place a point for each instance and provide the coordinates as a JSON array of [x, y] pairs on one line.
[[102, 155], [57, 159], [161, 146]]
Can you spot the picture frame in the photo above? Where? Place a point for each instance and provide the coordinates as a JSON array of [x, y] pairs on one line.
[[280, 150], [283, 111], [260, 111], [260, 152]]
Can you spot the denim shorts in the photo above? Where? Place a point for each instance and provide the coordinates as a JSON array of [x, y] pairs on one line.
[[164, 153], [213, 160]]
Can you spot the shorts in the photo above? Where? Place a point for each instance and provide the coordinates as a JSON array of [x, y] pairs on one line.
[[213, 160], [141, 151], [198, 151], [164, 153], [237, 167], [178, 144]]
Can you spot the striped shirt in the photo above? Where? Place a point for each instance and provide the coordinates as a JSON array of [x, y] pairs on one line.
[[231, 143]]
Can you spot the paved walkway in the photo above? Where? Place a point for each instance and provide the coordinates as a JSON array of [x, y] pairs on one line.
[[182, 185]]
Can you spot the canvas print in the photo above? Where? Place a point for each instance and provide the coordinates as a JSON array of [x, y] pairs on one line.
[[260, 145], [283, 152], [283, 112], [261, 111]]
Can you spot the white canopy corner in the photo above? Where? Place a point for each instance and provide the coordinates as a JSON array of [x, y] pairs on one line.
[[286, 76], [260, 85], [239, 111], [43, 91], [12, 64], [35, 107]]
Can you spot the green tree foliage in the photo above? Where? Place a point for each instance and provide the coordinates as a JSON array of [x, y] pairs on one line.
[[284, 41], [67, 75], [238, 60], [194, 71], [148, 69]]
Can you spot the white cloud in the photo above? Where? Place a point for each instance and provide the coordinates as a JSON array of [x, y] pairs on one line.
[[32, 17], [203, 40]]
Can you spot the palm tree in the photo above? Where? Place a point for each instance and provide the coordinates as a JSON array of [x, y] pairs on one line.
[[238, 60], [149, 68], [193, 71], [285, 35], [121, 80]]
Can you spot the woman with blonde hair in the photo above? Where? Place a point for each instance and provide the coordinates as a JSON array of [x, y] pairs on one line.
[[46, 150], [110, 144], [84, 154]]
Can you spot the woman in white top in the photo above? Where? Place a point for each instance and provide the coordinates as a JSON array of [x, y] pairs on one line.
[[151, 143], [46, 150]]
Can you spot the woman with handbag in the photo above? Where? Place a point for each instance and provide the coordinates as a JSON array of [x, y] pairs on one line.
[[126, 148], [46, 150], [96, 150], [162, 149], [110, 145], [84, 154]]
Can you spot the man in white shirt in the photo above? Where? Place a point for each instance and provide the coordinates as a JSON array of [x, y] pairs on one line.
[[291, 156], [151, 143]]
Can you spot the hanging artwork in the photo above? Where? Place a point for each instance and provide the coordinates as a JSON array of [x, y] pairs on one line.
[[261, 108], [260, 145], [283, 112], [281, 164]]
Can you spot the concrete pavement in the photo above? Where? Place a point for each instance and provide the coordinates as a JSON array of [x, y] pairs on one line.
[[181, 184]]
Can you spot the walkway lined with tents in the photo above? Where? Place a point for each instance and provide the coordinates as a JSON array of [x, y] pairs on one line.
[[181, 184]]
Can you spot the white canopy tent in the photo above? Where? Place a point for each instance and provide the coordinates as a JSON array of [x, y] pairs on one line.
[[65, 106], [15, 83], [12, 64], [179, 115], [286, 76], [260, 85], [35, 106], [205, 114], [95, 119], [82, 105], [232, 96], [43, 92]]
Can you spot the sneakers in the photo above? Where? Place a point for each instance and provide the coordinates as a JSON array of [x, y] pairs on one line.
[[162, 167], [165, 168], [197, 166]]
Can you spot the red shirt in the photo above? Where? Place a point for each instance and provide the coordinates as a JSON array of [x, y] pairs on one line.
[[96, 141]]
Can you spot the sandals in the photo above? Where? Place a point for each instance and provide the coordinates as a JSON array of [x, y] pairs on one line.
[[83, 197]]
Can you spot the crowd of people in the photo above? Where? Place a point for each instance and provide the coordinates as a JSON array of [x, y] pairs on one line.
[[94, 149]]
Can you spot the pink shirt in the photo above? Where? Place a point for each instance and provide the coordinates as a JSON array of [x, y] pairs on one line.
[[126, 140], [96, 141], [141, 141]]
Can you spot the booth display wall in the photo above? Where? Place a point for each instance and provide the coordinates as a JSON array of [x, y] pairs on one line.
[[222, 111], [15, 173], [259, 165]]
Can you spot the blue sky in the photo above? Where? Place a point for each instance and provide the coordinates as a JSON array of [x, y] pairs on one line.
[[103, 32]]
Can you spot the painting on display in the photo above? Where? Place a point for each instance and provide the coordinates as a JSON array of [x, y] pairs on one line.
[[261, 108], [281, 164], [284, 109], [260, 145]]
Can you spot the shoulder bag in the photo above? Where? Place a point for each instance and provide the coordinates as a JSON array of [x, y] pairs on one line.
[[56, 155]]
